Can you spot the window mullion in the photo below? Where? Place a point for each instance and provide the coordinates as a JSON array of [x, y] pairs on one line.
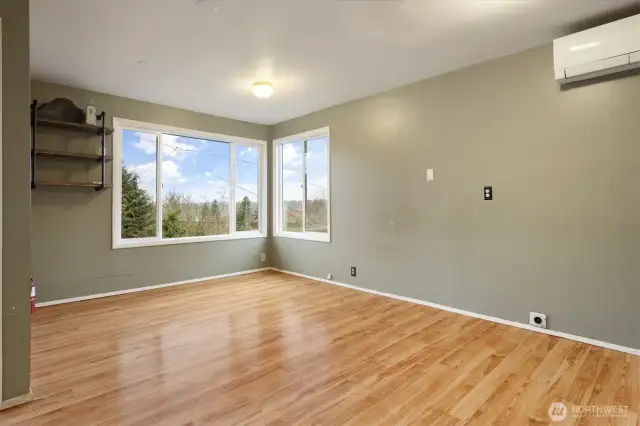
[[260, 191], [232, 188], [159, 150], [279, 203], [304, 186]]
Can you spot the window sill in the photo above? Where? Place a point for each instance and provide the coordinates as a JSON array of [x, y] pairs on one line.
[[309, 236], [148, 242]]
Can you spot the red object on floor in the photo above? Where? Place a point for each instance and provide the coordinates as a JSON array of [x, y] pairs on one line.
[[33, 295]]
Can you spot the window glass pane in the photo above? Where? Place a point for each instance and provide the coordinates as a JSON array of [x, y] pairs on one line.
[[247, 188], [316, 207], [195, 187], [138, 213], [292, 186]]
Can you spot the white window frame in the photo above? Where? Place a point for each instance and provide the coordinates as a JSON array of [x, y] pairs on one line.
[[277, 187], [120, 124]]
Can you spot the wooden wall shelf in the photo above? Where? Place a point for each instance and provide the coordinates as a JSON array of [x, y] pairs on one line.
[[64, 108], [76, 155], [90, 128], [94, 185]]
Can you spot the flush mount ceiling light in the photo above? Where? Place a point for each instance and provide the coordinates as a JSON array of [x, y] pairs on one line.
[[262, 89]]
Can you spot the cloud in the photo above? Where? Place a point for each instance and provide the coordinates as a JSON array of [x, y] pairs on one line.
[[246, 151], [246, 190], [207, 174], [291, 185], [199, 190], [316, 189], [146, 142], [207, 191], [289, 155], [170, 171], [147, 174], [173, 147], [291, 191]]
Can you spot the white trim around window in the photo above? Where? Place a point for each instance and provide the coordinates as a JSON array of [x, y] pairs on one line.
[[278, 167], [120, 125]]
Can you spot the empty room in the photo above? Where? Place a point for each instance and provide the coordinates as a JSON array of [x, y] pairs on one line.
[[320, 212]]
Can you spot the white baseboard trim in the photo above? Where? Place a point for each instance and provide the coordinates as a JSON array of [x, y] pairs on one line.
[[581, 339], [151, 287], [18, 400]]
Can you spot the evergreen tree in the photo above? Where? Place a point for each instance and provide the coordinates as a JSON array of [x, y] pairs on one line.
[[205, 219], [243, 215], [217, 226], [138, 208], [172, 227], [215, 210], [196, 228], [205, 213]]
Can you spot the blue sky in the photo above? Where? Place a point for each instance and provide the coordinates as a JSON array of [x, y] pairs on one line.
[[191, 166], [293, 174]]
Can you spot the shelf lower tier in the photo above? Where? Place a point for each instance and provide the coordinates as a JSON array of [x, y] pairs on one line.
[[94, 185]]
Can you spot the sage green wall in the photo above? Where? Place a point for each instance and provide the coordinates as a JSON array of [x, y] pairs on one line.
[[15, 198], [71, 229], [562, 235]]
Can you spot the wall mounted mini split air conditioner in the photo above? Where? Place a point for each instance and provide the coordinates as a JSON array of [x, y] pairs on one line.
[[603, 50]]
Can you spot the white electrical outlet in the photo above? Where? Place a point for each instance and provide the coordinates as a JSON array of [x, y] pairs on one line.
[[330, 276], [263, 257], [538, 320]]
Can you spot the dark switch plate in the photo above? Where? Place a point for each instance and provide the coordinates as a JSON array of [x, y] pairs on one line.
[[353, 271], [488, 193]]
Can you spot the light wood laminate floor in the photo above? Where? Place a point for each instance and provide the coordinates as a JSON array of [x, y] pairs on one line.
[[269, 348]]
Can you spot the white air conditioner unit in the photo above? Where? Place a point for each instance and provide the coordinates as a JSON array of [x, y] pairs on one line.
[[603, 50]]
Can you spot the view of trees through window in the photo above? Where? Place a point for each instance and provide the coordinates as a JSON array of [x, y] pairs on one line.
[[196, 186], [138, 217], [246, 191], [305, 186]]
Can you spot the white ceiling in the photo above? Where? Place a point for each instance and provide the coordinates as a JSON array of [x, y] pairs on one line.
[[203, 55]]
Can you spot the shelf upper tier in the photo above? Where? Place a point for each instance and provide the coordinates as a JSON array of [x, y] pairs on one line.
[[82, 127]]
